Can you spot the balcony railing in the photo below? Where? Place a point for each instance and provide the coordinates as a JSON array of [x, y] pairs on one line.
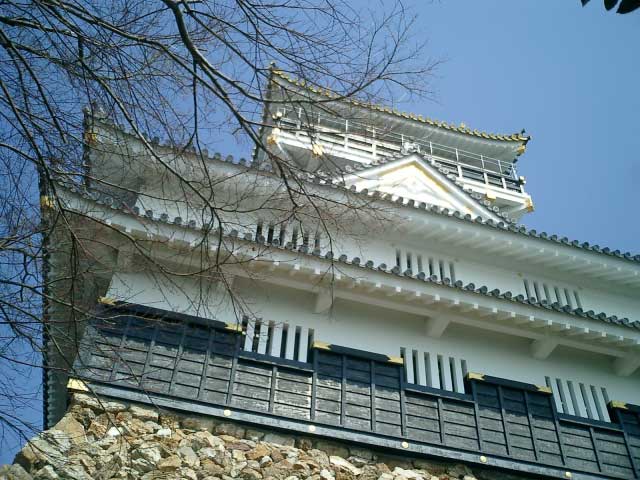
[[375, 142]]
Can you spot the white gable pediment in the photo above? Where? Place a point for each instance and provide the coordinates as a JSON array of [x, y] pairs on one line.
[[411, 181], [414, 178]]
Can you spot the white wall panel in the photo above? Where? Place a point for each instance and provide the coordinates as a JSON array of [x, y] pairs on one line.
[[276, 339], [263, 337], [385, 331]]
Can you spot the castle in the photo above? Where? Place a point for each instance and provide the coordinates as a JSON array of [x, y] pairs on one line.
[[400, 305]]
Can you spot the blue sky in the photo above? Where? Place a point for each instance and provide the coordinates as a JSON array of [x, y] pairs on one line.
[[571, 77], [567, 74]]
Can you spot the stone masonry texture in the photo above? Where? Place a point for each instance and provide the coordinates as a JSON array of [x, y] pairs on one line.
[[103, 439]]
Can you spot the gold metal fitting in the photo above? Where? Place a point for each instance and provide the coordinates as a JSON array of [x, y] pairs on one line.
[[483, 459], [405, 444], [107, 301], [529, 205], [475, 376], [312, 428], [77, 385], [90, 137], [317, 150], [618, 404], [321, 345], [235, 327], [568, 474], [395, 360], [227, 413], [273, 138], [544, 389], [46, 202]]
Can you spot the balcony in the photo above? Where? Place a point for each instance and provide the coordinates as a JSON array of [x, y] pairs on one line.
[[198, 365], [355, 141]]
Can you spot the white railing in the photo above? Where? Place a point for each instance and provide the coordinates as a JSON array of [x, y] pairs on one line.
[[277, 339], [579, 399], [294, 234], [430, 265], [434, 370], [446, 372], [376, 142], [544, 291]]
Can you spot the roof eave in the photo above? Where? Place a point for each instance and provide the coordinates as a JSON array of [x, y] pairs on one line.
[[303, 88]]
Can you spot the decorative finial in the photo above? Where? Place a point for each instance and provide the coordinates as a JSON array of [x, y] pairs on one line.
[[273, 138], [529, 205], [317, 150]]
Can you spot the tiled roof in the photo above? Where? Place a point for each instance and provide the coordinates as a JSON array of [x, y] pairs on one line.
[[484, 290], [506, 225], [324, 179], [515, 137]]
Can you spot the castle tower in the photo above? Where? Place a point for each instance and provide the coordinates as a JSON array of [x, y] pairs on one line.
[[402, 306], [354, 135]]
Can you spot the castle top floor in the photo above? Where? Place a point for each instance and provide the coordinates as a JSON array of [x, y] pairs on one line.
[[322, 131]]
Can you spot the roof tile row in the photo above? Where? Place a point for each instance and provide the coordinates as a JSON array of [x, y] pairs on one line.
[[323, 179], [370, 265], [516, 137]]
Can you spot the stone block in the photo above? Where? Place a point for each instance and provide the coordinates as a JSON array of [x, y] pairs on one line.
[[170, 463], [254, 435], [144, 412], [204, 439], [98, 404], [304, 443], [73, 428], [332, 448], [14, 472], [47, 473], [280, 439], [341, 463], [188, 456], [258, 452], [360, 452], [149, 452], [229, 428], [199, 423], [250, 474]]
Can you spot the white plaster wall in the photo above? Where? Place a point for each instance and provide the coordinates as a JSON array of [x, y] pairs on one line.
[[179, 294], [378, 330], [603, 301], [380, 246], [377, 241]]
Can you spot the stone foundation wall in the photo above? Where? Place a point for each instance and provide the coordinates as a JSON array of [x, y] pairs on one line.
[[101, 439]]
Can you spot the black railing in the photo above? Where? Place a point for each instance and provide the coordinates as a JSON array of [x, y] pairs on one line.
[[197, 365]]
